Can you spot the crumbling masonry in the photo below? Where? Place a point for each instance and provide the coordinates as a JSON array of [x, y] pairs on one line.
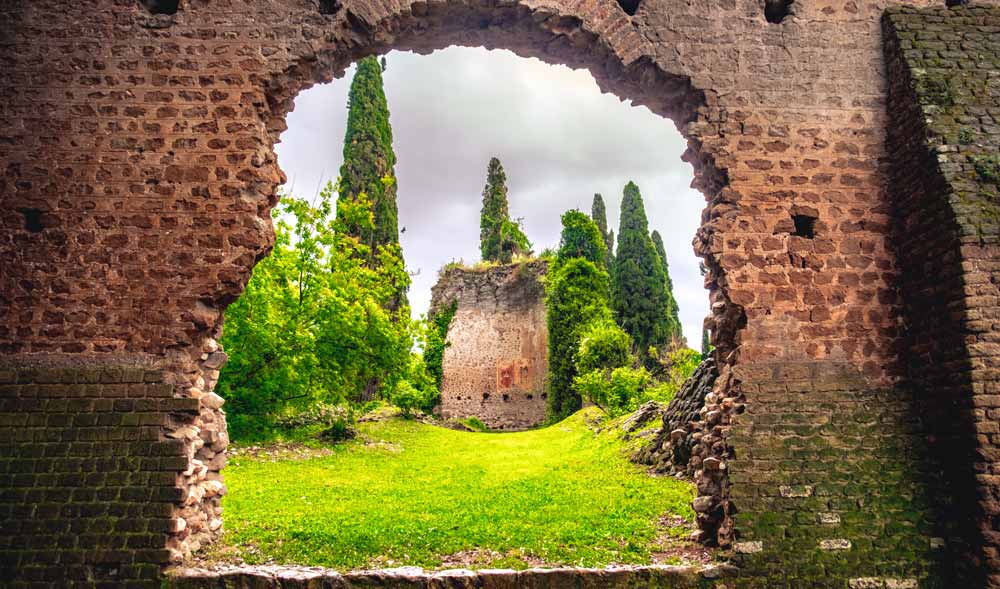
[[847, 153], [496, 363]]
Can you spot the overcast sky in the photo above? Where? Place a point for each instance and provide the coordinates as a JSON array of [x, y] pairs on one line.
[[559, 138]]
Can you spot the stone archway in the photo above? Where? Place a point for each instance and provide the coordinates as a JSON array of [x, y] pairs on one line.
[[138, 175]]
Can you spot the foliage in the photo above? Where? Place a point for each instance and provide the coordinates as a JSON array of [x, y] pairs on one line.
[[616, 392], [639, 294], [409, 398], [576, 296], [603, 346], [437, 340], [415, 493], [618, 387], [988, 168], [312, 325], [706, 342], [500, 239], [673, 311], [581, 239], [598, 212], [367, 174], [475, 423]]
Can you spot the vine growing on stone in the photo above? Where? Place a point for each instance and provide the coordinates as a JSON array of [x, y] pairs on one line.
[[437, 340]]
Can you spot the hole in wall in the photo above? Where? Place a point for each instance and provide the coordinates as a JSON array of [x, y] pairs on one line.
[[329, 6], [160, 6], [506, 397], [805, 226], [629, 6], [32, 219], [486, 396], [775, 11]]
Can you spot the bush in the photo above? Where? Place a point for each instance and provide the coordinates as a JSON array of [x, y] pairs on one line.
[[617, 393], [408, 398], [603, 346], [475, 423]]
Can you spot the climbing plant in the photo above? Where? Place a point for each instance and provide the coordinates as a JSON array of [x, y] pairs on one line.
[[437, 335]]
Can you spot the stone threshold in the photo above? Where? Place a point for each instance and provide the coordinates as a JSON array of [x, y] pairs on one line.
[[290, 577]]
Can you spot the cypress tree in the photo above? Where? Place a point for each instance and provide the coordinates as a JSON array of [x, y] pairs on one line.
[[676, 332], [599, 214], [581, 238], [706, 343], [368, 170], [577, 288], [639, 293], [500, 239]]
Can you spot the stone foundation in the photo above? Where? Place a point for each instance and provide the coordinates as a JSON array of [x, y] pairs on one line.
[[650, 577]]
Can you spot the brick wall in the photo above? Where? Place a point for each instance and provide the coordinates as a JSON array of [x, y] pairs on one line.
[[945, 103], [90, 481], [496, 363], [137, 174]]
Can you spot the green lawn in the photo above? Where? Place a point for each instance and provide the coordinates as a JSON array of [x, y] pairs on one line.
[[415, 493]]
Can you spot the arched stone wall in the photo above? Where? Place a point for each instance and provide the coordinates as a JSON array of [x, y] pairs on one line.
[[138, 173]]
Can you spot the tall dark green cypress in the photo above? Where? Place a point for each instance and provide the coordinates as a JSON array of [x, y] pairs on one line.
[[639, 293], [599, 213], [369, 163], [576, 295], [706, 343], [676, 332], [500, 239]]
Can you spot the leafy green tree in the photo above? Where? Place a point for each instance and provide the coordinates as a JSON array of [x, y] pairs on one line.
[[599, 213], [577, 288], [581, 238], [706, 343], [676, 331], [368, 172], [639, 293], [500, 238], [313, 325]]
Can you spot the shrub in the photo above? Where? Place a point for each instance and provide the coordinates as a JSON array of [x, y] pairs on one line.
[[475, 423], [408, 398], [603, 346], [617, 394]]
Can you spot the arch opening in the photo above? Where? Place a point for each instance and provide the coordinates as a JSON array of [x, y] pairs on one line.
[[552, 38]]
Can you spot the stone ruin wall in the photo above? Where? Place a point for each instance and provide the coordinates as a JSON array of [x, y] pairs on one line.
[[496, 364], [137, 174]]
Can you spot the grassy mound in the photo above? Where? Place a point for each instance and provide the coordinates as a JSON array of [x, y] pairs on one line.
[[407, 493]]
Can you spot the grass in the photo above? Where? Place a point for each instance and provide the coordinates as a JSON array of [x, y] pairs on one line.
[[408, 493]]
